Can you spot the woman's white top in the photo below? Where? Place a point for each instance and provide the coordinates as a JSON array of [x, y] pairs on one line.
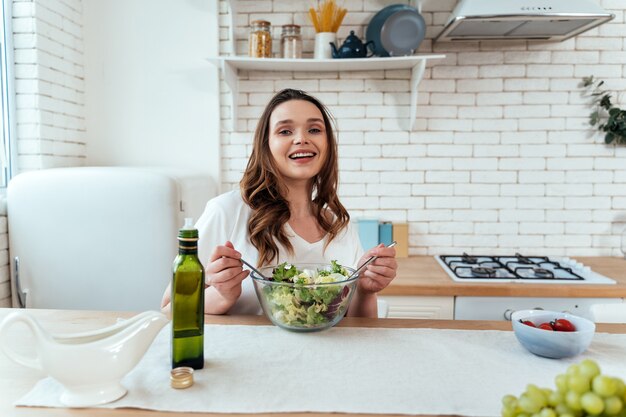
[[225, 218]]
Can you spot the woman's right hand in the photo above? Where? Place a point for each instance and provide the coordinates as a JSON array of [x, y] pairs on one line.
[[224, 274]]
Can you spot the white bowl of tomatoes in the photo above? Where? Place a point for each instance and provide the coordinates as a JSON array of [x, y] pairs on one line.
[[552, 334]]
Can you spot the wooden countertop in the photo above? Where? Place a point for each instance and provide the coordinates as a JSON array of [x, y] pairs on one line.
[[16, 380], [422, 275]]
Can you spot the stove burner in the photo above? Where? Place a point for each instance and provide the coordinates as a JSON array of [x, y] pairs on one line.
[[483, 271], [521, 259], [469, 259], [495, 268], [543, 273]]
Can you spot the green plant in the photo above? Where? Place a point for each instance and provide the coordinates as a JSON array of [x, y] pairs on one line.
[[606, 116]]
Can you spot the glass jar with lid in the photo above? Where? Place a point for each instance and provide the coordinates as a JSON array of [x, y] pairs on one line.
[[260, 40], [291, 42]]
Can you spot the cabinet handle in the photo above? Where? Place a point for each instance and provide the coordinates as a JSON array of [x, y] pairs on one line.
[[507, 314]]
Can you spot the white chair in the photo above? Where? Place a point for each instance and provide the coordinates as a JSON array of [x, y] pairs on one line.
[[608, 313]]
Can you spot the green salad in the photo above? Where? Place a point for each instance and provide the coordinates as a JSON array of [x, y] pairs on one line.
[[302, 304]]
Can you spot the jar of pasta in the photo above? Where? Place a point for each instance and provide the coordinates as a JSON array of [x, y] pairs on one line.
[[260, 40], [291, 42]]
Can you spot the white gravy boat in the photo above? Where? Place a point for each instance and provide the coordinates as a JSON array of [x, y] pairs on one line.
[[89, 365]]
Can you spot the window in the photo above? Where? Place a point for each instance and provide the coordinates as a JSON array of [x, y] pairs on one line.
[[7, 90]]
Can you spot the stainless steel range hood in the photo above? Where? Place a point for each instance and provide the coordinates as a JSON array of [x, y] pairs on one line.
[[541, 20]]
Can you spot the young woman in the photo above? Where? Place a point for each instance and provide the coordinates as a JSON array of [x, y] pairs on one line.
[[286, 210]]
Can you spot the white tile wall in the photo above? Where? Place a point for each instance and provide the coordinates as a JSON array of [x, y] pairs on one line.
[[49, 83], [502, 158]]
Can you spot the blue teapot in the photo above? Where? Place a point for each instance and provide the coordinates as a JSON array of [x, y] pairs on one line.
[[352, 47]]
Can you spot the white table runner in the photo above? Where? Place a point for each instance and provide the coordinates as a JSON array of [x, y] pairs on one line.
[[260, 369]]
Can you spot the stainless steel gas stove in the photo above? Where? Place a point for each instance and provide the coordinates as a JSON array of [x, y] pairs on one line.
[[519, 268]]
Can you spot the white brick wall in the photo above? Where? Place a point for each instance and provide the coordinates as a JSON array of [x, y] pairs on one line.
[[49, 83], [49, 88], [501, 159]]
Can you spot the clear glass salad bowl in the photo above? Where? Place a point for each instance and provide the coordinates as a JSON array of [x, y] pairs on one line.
[[313, 302]]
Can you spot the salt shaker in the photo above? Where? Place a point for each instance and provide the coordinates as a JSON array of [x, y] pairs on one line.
[[291, 42]]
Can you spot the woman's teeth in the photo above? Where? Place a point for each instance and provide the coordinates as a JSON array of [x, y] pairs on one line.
[[302, 155]]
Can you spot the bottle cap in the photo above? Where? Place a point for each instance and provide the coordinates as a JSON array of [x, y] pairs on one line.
[[181, 377]]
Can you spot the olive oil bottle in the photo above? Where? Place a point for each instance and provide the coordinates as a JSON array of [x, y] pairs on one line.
[[188, 301]]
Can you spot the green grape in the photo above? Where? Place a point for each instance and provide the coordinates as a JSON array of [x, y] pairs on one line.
[[509, 401], [563, 409], [612, 406], [537, 395], [589, 368], [578, 383], [528, 404], [573, 369], [507, 412], [619, 387], [604, 386], [509, 406], [572, 400], [592, 403], [561, 382], [555, 398], [566, 415], [547, 412]]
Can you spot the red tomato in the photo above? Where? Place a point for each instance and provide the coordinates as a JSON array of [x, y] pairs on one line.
[[545, 326], [527, 323], [563, 325]]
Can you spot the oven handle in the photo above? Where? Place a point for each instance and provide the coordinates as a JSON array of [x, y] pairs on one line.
[[509, 311]]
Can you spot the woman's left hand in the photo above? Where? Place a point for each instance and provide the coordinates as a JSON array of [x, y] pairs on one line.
[[378, 274]]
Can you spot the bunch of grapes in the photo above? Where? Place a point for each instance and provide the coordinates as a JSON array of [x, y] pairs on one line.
[[581, 391]]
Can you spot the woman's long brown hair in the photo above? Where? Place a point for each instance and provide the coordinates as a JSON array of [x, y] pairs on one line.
[[263, 190]]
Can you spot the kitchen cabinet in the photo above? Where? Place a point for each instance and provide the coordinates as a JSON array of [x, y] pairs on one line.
[[230, 66], [415, 307]]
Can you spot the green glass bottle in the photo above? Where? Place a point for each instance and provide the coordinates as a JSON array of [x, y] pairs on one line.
[[188, 301]]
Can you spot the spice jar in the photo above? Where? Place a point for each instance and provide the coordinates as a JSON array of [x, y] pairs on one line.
[[260, 40], [291, 42]]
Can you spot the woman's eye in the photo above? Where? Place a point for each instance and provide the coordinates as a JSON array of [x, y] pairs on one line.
[[284, 132], [315, 130]]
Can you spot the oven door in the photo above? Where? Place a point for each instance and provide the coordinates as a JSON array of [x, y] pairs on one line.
[[500, 308]]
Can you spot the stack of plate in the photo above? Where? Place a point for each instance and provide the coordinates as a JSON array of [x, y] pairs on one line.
[[396, 30]]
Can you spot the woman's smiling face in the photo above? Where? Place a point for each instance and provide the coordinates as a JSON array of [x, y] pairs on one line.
[[298, 140]]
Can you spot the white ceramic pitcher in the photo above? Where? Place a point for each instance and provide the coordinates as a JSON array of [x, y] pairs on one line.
[[89, 365]]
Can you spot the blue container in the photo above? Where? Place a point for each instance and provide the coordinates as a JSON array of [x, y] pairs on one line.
[[385, 233], [368, 233]]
